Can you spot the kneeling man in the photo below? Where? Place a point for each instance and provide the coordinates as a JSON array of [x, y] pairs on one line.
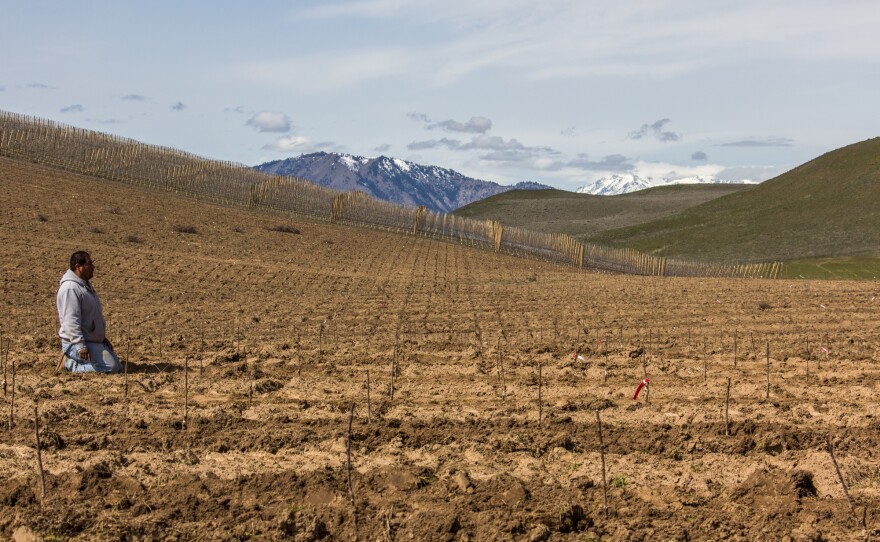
[[83, 340]]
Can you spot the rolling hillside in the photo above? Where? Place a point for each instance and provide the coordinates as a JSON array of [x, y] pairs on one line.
[[583, 215], [828, 207]]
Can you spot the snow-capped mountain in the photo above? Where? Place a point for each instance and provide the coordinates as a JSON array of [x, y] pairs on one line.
[[625, 183], [391, 179]]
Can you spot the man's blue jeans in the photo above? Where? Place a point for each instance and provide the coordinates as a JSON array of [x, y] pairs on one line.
[[103, 359]]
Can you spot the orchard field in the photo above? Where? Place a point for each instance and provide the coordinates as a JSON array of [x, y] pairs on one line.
[[272, 359]]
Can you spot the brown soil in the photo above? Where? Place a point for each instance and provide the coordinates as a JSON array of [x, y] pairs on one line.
[[294, 323]]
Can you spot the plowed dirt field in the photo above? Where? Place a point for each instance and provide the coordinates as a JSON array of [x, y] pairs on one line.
[[442, 350]]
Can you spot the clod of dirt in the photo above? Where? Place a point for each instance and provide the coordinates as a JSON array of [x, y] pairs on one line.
[[19, 495], [401, 480], [573, 519], [226, 358], [538, 534], [462, 481], [508, 490], [304, 526], [598, 404], [89, 480], [51, 440], [774, 492], [25, 534], [268, 386], [801, 483], [562, 440], [440, 524]]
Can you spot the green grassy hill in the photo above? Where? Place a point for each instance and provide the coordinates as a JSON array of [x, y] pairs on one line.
[[826, 208], [583, 215]]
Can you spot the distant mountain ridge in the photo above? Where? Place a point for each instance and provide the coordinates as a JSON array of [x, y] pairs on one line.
[[392, 179], [626, 183]]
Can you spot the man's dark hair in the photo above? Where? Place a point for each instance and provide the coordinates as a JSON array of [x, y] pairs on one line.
[[80, 257]]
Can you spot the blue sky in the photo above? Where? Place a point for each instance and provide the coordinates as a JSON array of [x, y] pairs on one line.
[[559, 92]]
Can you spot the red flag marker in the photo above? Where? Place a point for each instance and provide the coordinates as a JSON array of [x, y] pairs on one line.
[[576, 357], [642, 384]]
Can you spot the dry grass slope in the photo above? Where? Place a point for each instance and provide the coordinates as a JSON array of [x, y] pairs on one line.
[[584, 215]]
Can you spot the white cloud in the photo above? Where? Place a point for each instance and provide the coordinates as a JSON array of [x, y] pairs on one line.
[[290, 144], [476, 125], [270, 121]]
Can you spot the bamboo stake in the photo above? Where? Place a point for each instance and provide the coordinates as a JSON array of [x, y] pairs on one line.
[[185, 392], [5, 364], [752, 339], [807, 356], [393, 363], [734, 348], [645, 371], [540, 401], [605, 367], [348, 456], [12, 401], [39, 454], [602, 455], [250, 388], [501, 373], [299, 360], [127, 356], [852, 505], [369, 403], [726, 408], [201, 348], [689, 341], [768, 371]]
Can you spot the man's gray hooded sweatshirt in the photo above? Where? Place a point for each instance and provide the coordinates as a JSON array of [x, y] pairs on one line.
[[79, 310]]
